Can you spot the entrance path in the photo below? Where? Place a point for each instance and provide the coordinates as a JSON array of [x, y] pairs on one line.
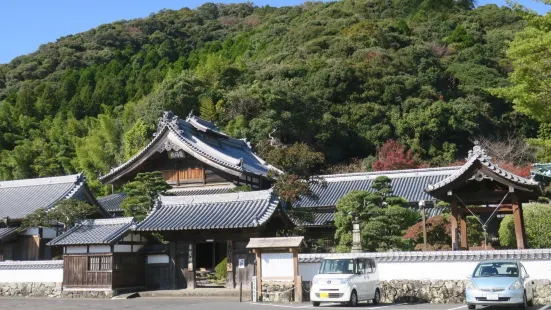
[[211, 303], [200, 292]]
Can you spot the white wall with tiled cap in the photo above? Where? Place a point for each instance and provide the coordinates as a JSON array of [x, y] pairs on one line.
[[449, 265], [31, 271]]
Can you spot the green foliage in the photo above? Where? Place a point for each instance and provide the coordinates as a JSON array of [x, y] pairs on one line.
[[142, 194], [66, 212], [340, 77], [221, 269], [530, 81], [537, 223], [241, 188], [384, 218]]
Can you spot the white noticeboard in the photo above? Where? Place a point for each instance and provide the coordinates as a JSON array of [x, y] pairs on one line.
[[241, 263], [277, 266]]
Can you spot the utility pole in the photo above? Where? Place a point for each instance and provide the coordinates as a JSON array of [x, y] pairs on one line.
[[422, 207]]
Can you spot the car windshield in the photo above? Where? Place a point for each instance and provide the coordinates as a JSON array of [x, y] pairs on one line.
[[504, 269], [337, 266]]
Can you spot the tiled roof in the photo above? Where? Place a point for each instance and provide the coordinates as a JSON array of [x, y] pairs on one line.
[[405, 183], [102, 231], [203, 190], [112, 203], [21, 197], [7, 231], [435, 256], [38, 264], [326, 217], [275, 242], [202, 140], [222, 211], [478, 155], [318, 218]]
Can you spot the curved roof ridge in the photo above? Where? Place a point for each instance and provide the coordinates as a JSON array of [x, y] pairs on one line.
[[225, 197], [73, 178], [478, 154], [392, 173]]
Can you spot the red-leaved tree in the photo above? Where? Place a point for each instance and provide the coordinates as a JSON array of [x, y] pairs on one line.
[[393, 156]]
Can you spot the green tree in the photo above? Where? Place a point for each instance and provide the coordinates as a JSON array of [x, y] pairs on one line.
[[142, 194], [537, 223], [529, 53], [384, 218], [66, 213]]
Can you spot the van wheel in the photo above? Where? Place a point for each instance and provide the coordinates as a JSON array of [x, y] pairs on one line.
[[377, 297], [315, 303], [353, 299]]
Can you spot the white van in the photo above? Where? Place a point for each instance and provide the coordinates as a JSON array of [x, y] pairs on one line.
[[346, 280]]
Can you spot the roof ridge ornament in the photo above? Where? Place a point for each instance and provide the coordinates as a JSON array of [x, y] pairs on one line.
[[479, 152]]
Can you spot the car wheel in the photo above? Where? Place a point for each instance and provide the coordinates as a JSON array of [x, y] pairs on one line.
[[353, 299], [471, 307], [377, 297], [315, 303]]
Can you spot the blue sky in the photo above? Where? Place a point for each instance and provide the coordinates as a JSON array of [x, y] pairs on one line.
[[25, 24]]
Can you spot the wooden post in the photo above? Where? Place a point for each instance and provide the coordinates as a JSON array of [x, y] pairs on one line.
[[295, 274], [464, 241], [453, 220], [191, 266], [230, 268], [298, 289], [258, 275], [172, 265], [520, 232]]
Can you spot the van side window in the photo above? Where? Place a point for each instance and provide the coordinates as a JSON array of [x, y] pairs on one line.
[[361, 266], [371, 266]]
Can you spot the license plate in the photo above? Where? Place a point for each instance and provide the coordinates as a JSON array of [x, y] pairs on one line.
[[492, 297], [324, 295]]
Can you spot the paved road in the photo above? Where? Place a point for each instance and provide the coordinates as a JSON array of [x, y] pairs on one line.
[[197, 304]]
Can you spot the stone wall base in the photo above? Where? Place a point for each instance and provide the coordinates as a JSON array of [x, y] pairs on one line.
[[445, 291], [87, 294], [278, 291], [30, 289]]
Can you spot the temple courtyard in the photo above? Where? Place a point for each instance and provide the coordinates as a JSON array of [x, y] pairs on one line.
[[200, 304]]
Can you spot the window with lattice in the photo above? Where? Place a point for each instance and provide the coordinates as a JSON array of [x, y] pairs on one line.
[[99, 263]]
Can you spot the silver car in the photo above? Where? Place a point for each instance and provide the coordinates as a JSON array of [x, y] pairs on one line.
[[496, 283]]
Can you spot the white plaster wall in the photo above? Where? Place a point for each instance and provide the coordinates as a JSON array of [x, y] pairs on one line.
[[75, 249], [432, 270], [137, 247], [123, 248], [157, 259], [31, 275], [100, 249], [48, 233]]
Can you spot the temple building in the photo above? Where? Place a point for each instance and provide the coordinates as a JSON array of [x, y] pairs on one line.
[[194, 153], [203, 220], [20, 198]]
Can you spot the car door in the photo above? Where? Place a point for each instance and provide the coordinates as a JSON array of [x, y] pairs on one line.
[[361, 282], [373, 277], [528, 286]]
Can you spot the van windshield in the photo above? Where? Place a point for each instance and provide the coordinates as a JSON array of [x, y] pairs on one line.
[[337, 266]]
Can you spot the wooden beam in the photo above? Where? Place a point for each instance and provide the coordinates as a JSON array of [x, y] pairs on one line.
[[482, 210], [520, 232], [464, 242], [453, 220]]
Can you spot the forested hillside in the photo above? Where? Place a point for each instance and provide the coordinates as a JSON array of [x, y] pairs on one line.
[[342, 77]]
